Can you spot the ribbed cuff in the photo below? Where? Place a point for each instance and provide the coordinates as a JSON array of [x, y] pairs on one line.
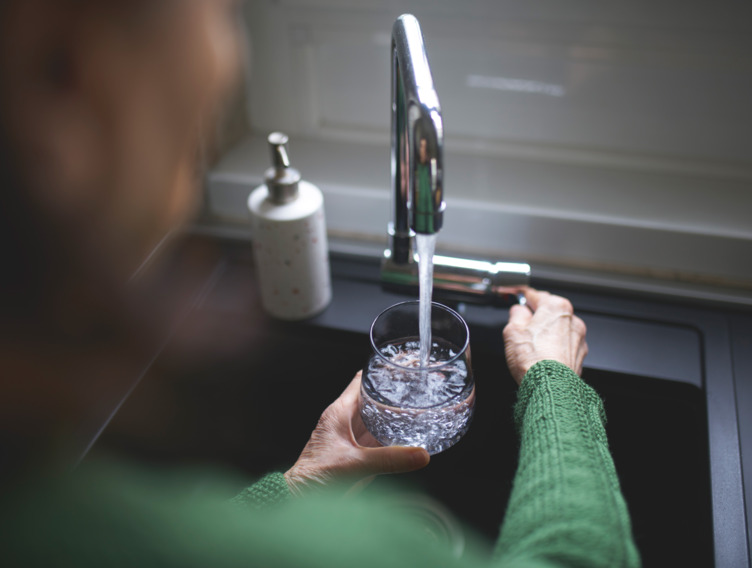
[[268, 491]]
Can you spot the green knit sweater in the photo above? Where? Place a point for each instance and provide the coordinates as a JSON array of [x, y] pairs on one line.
[[566, 509]]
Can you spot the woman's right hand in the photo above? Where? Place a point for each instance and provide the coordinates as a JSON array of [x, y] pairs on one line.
[[341, 448], [545, 328]]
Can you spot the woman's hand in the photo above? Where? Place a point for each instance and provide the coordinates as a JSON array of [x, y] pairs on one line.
[[544, 329], [341, 448]]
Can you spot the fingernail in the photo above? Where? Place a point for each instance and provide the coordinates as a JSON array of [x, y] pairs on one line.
[[420, 457]]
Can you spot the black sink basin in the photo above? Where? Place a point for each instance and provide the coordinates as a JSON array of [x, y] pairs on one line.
[[254, 408], [254, 412]]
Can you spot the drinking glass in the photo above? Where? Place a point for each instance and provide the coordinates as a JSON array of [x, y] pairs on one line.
[[404, 403]]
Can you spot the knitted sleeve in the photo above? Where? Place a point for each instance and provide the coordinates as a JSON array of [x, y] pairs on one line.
[[566, 506], [269, 490]]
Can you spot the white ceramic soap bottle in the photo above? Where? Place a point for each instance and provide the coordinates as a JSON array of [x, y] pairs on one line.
[[289, 240]]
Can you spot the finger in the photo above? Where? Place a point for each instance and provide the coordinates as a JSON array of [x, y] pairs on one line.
[[534, 297], [519, 316], [552, 304], [365, 439], [394, 459], [347, 402], [343, 411], [579, 327], [579, 344], [581, 354], [352, 392], [360, 433]]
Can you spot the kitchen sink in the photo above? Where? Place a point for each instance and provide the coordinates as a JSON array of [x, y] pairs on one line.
[[671, 428]]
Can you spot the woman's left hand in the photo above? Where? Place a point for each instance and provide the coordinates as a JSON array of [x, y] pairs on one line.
[[341, 448]]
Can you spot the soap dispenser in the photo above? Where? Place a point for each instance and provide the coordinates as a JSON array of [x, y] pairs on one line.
[[289, 240]]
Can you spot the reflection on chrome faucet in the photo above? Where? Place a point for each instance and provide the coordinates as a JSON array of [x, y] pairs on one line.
[[417, 132], [418, 186]]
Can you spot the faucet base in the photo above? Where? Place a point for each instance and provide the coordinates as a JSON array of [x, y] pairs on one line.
[[460, 279]]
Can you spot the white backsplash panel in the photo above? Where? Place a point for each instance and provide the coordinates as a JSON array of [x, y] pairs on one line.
[[625, 79], [616, 134]]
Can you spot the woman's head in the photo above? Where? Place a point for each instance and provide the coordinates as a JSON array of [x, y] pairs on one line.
[[103, 107]]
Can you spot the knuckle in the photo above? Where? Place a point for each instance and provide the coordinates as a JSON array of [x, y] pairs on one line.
[[555, 304], [562, 304]]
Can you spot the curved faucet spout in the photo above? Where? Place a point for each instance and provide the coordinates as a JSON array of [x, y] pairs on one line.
[[418, 185], [417, 140]]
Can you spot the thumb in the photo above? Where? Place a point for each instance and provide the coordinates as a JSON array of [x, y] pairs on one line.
[[395, 459]]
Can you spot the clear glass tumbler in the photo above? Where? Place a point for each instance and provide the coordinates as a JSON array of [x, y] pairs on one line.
[[402, 403]]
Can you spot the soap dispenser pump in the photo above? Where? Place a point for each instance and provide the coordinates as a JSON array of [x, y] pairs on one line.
[[289, 239]]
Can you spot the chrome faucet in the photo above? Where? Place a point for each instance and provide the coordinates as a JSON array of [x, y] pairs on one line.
[[418, 185], [417, 142]]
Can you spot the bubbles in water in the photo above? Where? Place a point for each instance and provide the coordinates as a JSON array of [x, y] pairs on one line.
[[421, 388], [418, 406]]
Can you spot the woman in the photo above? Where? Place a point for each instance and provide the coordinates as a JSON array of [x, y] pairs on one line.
[[104, 106]]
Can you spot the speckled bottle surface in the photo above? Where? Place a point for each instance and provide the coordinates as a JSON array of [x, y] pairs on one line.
[[289, 241]]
